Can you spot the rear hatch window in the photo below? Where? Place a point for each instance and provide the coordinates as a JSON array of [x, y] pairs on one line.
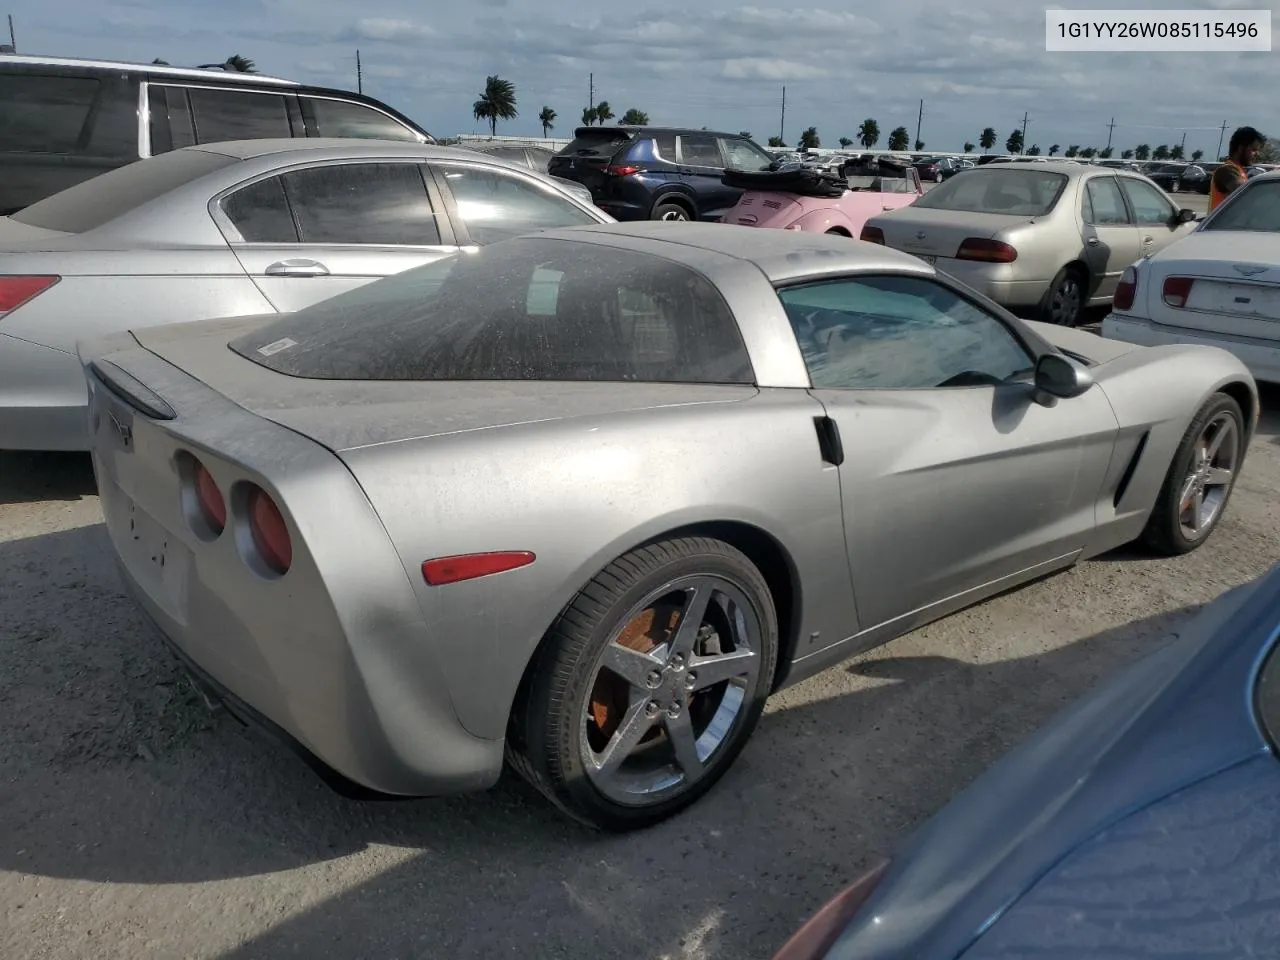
[[523, 309], [92, 203], [595, 144]]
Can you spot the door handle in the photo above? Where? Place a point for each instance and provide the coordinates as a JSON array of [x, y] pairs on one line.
[[1092, 241], [297, 268], [829, 444], [1148, 239]]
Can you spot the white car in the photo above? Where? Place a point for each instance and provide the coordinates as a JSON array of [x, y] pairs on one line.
[[1219, 286]]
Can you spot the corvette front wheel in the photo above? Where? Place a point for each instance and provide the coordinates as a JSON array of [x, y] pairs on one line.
[[1200, 479], [648, 685]]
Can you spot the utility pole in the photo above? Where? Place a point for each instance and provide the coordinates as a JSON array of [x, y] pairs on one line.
[[1110, 127], [359, 74], [1023, 151], [782, 124], [919, 120], [1183, 149], [12, 42], [591, 90], [1222, 134]]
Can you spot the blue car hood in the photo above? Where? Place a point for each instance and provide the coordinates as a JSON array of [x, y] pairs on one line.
[[1170, 720]]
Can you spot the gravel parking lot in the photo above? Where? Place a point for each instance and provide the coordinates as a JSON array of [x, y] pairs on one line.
[[137, 825]]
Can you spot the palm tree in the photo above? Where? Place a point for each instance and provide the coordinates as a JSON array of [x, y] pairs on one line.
[[1126, 154], [498, 102], [1072, 150], [988, 138], [899, 139], [845, 143], [1175, 152], [548, 120], [1014, 144], [603, 112], [159, 62], [635, 118], [745, 134], [1089, 152], [234, 63], [809, 139], [968, 147], [1053, 151], [869, 133], [588, 116], [1161, 152], [1142, 151], [1196, 155], [776, 142], [1033, 150], [1105, 153], [919, 144]]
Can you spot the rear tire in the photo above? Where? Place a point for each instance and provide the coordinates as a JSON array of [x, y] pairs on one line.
[[625, 718], [1063, 303], [1201, 477], [670, 211]]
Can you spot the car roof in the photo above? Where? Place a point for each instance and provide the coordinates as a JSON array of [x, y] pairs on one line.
[[781, 255], [650, 129], [1053, 166], [334, 147], [156, 69]]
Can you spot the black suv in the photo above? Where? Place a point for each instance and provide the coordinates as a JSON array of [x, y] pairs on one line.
[[63, 121], [658, 173]]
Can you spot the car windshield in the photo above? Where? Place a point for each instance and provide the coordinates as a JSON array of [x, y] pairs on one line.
[[528, 308], [1015, 193], [1256, 209], [92, 203]]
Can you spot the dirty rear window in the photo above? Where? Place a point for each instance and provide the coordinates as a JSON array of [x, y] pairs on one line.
[[596, 143], [519, 309], [92, 203], [1014, 193]]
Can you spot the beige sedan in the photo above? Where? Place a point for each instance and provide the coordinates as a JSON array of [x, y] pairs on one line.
[[1045, 239]]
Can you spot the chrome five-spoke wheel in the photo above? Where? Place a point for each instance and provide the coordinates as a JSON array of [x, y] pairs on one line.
[[669, 687], [649, 684], [1200, 478]]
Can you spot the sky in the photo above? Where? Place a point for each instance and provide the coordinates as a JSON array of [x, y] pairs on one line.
[[714, 63]]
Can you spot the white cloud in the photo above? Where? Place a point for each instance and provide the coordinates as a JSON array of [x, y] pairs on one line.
[[377, 28], [760, 69]]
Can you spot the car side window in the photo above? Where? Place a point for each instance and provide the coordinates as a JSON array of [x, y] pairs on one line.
[[261, 213], [384, 204], [238, 115], [899, 333], [1105, 204], [342, 118], [700, 150], [494, 204], [171, 127], [666, 144], [744, 155], [1150, 205], [44, 114]]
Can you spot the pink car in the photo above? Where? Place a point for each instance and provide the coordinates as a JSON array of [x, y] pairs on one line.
[[819, 202]]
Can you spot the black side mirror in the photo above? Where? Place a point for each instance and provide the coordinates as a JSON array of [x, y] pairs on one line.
[[1059, 377], [1186, 215]]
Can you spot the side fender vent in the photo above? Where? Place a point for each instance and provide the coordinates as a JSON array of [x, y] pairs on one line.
[[1129, 470]]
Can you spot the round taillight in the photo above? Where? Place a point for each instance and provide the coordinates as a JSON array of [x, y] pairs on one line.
[[270, 535], [213, 507]]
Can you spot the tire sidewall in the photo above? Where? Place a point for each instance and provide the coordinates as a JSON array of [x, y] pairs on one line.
[[570, 769], [663, 205], [1063, 275]]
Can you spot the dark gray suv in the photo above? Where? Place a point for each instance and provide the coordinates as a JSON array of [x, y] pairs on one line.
[[63, 121]]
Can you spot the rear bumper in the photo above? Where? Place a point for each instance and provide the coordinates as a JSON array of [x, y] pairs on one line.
[[42, 398], [1262, 358], [982, 278]]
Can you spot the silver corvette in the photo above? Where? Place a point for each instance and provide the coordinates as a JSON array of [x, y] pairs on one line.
[[584, 499], [237, 228]]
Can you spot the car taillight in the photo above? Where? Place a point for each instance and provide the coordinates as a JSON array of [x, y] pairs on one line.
[[816, 937], [15, 291], [270, 535], [468, 566], [213, 507], [1126, 290], [1177, 290], [616, 171], [872, 235], [987, 251]]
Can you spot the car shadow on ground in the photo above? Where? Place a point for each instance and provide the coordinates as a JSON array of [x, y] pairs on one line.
[[29, 477], [117, 774]]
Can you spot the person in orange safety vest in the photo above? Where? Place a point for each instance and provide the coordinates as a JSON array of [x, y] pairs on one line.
[[1242, 153]]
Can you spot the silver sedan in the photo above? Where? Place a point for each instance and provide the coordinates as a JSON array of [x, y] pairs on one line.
[[585, 498], [228, 229], [1049, 238]]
